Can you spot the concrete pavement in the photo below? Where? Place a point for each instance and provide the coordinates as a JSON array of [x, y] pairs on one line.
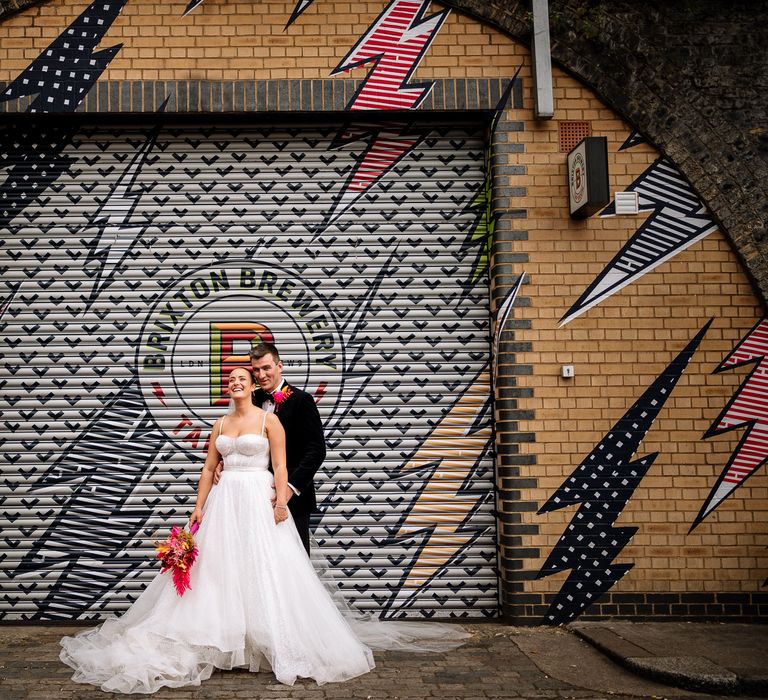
[[726, 658], [500, 661]]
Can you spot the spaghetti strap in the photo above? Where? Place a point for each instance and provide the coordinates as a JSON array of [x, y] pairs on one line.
[[263, 423]]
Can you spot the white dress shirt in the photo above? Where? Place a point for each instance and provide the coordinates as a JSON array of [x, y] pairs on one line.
[[269, 407]]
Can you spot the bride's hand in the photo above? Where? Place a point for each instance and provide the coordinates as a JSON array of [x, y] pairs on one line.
[[281, 513], [196, 517]]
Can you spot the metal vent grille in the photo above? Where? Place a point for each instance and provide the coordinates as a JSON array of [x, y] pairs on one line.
[[570, 133]]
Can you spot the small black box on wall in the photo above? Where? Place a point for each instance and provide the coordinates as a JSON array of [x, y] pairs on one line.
[[588, 177]]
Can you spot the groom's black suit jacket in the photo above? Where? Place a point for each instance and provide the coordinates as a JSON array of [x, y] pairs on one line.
[[304, 445]]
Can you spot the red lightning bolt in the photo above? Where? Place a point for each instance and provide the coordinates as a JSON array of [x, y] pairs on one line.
[[396, 42], [389, 144], [748, 407], [157, 390], [441, 508], [320, 391]]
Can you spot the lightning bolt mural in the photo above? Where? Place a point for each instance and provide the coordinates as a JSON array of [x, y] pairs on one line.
[[6, 303], [191, 5], [678, 220], [58, 80], [62, 75], [387, 145], [301, 6], [116, 236], [36, 151], [445, 462], [356, 377], [158, 391], [602, 485], [502, 314], [634, 139], [396, 42], [482, 231], [747, 409], [93, 528]]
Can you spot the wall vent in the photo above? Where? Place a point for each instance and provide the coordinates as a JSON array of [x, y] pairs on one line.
[[571, 133]]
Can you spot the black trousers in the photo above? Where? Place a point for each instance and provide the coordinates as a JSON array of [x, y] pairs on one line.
[[301, 520]]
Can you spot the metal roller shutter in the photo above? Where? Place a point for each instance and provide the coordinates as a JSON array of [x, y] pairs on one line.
[[138, 262]]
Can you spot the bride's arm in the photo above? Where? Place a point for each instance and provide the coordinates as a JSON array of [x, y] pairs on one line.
[[276, 436], [206, 475]]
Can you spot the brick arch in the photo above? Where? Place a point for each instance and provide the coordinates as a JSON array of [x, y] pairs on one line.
[[689, 76]]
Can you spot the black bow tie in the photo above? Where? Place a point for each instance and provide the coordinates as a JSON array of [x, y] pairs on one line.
[[260, 396]]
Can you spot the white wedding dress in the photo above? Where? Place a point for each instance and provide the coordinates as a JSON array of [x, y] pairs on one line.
[[255, 602]]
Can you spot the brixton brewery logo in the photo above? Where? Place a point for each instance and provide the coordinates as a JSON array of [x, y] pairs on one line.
[[577, 178], [207, 323]]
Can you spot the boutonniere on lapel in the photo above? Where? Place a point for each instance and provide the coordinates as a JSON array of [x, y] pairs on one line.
[[281, 396]]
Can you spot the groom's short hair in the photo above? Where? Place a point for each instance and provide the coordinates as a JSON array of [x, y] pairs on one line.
[[263, 349]]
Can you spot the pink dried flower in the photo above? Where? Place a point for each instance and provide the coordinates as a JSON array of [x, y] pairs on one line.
[[177, 553]]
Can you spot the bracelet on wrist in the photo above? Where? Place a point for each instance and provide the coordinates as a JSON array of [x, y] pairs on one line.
[[282, 507]]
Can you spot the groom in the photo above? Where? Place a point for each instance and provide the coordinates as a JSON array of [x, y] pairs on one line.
[[304, 440]]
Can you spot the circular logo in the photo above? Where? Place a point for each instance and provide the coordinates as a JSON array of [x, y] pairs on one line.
[[578, 180], [207, 323]]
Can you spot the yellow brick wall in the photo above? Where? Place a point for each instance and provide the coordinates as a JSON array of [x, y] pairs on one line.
[[246, 41], [618, 348]]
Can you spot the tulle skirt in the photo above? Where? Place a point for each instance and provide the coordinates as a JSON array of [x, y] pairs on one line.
[[256, 602]]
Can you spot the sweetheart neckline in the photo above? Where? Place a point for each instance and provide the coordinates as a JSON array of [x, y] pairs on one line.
[[235, 437]]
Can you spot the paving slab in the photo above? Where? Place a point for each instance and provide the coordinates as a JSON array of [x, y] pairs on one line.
[[499, 661], [721, 658]]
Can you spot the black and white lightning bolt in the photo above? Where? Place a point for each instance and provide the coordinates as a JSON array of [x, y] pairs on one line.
[[601, 486], [301, 6], [63, 74], [678, 219], [191, 5], [357, 372], [93, 528], [117, 236], [634, 139], [58, 80]]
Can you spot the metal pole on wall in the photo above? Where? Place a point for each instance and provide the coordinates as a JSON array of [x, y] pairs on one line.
[[542, 61]]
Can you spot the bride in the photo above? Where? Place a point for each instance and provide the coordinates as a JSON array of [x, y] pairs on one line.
[[255, 600]]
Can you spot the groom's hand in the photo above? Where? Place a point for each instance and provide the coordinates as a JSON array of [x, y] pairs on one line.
[[217, 473], [290, 496]]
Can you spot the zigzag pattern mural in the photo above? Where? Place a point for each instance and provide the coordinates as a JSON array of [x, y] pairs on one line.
[[395, 43], [454, 487], [111, 372], [747, 409], [678, 219], [602, 485], [116, 235], [58, 80], [301, 7], [485, 225], [634, 139], [61, 76]]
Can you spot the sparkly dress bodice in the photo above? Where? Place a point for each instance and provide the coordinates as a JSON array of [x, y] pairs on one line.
[[246, 452]]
